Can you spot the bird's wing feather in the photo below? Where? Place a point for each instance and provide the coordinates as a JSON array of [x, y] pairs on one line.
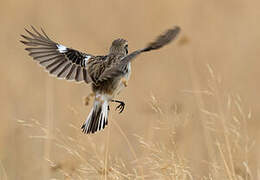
[[118, 69], [58, 60]]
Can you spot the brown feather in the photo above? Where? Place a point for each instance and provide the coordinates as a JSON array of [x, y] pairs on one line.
[[50, 56]]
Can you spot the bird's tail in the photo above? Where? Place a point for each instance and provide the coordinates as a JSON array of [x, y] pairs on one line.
[[97, 118]]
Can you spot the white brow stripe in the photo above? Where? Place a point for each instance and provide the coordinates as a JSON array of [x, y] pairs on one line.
[[61, 48]]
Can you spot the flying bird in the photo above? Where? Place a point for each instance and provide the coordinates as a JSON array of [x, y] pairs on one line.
[[107, 74]]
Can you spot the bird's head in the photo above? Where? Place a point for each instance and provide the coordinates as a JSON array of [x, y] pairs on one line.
[[119, 46]]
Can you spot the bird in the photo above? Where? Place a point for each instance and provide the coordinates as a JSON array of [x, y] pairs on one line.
[[107, 74]]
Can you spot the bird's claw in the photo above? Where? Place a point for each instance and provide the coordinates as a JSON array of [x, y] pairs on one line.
[[121, 107]]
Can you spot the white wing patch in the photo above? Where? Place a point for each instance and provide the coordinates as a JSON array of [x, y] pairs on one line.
[[61, 48], [86, 60]]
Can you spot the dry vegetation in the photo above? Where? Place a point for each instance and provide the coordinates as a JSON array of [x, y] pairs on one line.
[[226, 137], [192, 108]]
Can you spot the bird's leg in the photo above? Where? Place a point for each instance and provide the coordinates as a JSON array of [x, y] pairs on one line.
[[124, 81], [121, 105], [86, 99]]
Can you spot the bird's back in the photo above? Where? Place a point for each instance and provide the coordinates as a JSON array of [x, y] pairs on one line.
[[98, 65]]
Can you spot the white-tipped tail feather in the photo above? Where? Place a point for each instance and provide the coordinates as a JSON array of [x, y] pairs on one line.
[[97, 118]]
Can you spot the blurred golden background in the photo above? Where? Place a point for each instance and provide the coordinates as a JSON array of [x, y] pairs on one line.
[[166, 90]]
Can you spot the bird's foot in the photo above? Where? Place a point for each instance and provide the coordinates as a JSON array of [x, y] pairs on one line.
[[124, 81], [86, 99], [121, 105]]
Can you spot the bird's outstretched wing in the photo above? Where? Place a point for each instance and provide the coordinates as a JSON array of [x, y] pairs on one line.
[[119, 69], [57, 59]]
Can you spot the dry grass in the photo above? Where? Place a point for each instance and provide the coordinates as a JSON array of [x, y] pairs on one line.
[[228, 145], [3, 174]]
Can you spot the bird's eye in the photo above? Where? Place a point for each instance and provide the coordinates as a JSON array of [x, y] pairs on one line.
[[126, 48]]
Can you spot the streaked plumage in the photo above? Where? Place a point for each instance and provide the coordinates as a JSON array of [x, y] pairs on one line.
[[107, 74]]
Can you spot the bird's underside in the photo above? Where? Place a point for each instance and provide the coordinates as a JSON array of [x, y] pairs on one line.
[[105, 73]]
